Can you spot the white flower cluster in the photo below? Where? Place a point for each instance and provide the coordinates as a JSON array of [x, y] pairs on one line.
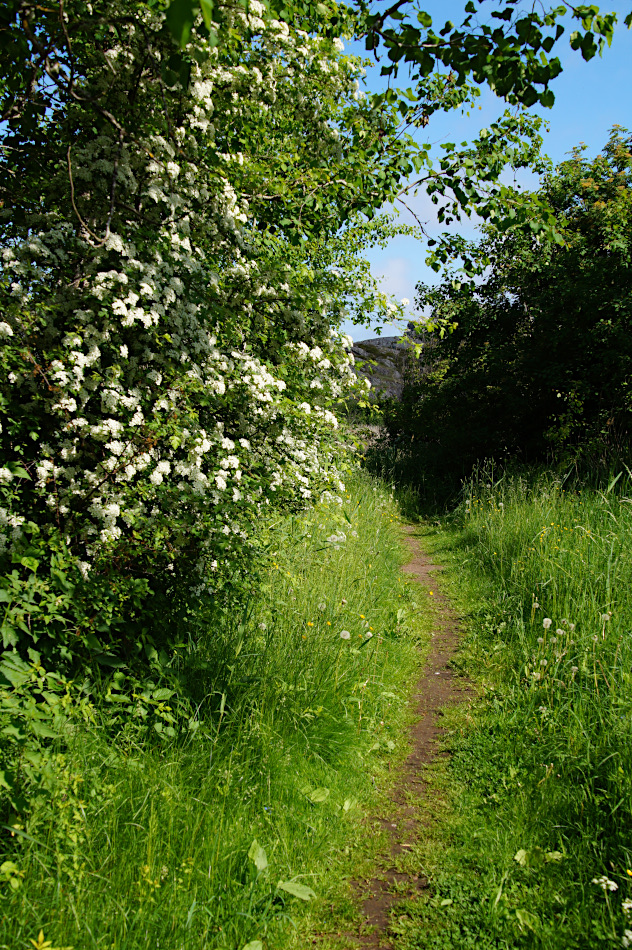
[[159, 400]]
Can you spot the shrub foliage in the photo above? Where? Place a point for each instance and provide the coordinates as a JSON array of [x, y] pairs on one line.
[[532, 361]]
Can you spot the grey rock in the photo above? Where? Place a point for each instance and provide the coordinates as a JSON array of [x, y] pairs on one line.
[[383, 362]]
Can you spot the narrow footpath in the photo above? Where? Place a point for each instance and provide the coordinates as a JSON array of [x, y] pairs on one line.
[[437, 687]]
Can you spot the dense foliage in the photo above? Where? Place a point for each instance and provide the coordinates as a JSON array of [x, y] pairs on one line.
[[168, 364], [181, 226], [532, 362]]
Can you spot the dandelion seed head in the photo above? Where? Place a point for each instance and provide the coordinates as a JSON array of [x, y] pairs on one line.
[[345, 635], [546, 623]]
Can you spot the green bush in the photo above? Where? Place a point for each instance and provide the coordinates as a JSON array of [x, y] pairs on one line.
[[533, 360]]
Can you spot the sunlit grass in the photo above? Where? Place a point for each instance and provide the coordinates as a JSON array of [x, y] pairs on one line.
[[145, 844], [540, 787]]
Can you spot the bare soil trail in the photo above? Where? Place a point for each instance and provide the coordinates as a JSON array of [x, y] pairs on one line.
[[437, 687]]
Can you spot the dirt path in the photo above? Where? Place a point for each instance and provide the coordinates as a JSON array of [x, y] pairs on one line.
[[436, 688]]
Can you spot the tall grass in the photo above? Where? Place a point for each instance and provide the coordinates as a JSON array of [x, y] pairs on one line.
[[223, 839], [541, 785]]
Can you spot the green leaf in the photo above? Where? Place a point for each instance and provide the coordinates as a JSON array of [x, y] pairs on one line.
[[29, 562], [296, 890], [253, 945], [17, 470], [15, 670], [207, 7], [43, 731], [5, 781], [161, 695], [180, 16], [258, 856], [318, 795], [527, 919]]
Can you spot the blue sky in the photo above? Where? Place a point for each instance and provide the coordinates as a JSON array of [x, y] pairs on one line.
[[589, 99]]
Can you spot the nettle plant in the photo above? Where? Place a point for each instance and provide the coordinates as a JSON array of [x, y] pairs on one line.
[[172, 265]]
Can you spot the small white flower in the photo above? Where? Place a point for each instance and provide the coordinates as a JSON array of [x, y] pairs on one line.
[[626, 906], [605, 883], [546, 623], [626, 939], [345, 635], [322, 606], [5, 330], [263, 626]]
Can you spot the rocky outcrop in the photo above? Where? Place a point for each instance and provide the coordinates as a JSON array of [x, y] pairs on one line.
[[383, 362]]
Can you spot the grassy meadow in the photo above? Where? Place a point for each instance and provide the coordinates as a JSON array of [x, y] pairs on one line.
[[533, 846], [241, 834]]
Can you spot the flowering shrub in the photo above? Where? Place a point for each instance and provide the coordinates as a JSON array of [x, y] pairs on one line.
[[171, 269]]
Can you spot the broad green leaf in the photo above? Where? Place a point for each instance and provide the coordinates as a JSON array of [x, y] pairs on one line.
[[29, 562], [253, 945], [5, 781], [296, 890], [43, 731], [318, 795], [180, 17], [15, 670], [160, 695], [207, 7], [258, 856]]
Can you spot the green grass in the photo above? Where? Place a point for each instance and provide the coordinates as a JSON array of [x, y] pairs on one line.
[[149, 844], [535, 802]]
